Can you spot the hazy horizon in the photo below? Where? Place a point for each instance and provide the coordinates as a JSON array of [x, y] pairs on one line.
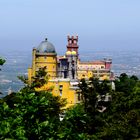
[[101, 25]]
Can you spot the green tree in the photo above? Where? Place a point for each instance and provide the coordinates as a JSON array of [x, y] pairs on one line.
[[29, 114], [91, 91], [125, 83], [38, 80], [2, 61], [76, 125], [120, 120], [122, 117], [83, 121]]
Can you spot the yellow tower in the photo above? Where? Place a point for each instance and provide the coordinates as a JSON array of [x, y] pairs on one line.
[[44, 56]]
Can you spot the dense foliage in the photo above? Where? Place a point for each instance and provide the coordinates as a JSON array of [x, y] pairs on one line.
[[29, 114], [120, 119], [84, 120]]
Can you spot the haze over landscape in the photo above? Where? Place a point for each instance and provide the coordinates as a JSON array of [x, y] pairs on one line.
[[105, 29], [100, 25]]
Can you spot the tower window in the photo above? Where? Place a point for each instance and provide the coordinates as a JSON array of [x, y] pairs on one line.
[[83, 75], [70, 41]]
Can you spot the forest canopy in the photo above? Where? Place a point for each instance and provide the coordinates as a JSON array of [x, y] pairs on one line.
[[31, 114]]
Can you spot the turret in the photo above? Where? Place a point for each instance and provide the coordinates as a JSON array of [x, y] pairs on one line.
[[108, 63], [43, 56], [72, 44]]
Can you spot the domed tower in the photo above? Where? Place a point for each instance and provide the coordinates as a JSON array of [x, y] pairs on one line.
[[44, 56]]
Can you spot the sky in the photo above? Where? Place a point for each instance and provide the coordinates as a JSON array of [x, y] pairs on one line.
[[103, 25]]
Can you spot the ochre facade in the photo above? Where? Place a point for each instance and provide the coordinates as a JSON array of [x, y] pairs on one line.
[[65, 72]]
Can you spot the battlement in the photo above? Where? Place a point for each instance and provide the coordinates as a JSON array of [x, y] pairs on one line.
[[72, 38], [72, 43]]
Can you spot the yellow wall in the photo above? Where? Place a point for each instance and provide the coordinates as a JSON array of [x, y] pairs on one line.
[[58, 85], [65, 86], [88, 74], [88, 70], [84, 74], [49, 61], [29, 75]]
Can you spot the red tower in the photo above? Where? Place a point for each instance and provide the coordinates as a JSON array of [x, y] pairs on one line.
[[72, 44], [108, 63]]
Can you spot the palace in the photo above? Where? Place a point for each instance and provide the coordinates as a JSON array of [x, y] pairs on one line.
[[65, 72]]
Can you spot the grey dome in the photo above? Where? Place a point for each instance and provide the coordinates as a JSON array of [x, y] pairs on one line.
[[45, 47]]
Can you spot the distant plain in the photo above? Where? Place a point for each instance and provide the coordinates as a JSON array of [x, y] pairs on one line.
[[17, 63]]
